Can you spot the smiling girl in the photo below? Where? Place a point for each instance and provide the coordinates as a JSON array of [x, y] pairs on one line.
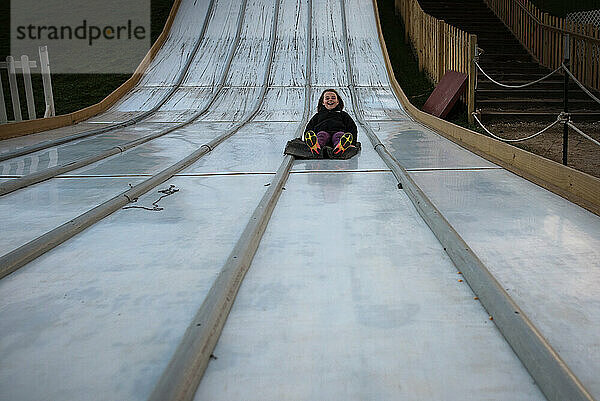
[[333, 126]]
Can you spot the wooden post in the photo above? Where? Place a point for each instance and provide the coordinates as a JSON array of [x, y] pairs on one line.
[[596, 61], [544, 43], [588, 57], [48, 95], [14, 90], [3, 117], [441, 50], [406, 17], [28, 87], [419, 40], [566, 102], [471, 77]]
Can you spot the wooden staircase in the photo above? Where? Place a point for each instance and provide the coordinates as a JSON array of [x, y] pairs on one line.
[[507, 61]]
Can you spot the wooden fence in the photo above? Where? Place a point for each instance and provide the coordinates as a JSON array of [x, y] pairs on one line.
[[543, 36], [440, 47]]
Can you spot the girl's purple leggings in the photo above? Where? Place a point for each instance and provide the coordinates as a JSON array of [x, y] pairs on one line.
[[325, 138]]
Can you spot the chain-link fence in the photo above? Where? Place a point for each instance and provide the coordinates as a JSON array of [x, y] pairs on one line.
[[585, 17]]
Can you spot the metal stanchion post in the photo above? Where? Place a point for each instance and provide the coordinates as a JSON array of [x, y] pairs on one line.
[[566, 101]]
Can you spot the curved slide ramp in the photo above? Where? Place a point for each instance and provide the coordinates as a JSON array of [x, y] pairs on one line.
[[254, 276]]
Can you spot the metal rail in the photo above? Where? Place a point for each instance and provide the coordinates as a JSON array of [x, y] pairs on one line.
[[34, 178], [19, 257], [96, 131]]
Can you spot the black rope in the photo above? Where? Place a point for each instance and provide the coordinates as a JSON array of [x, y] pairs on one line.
[[155, 208]]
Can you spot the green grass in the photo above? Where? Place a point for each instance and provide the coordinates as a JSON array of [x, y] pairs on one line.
[[71, 91]]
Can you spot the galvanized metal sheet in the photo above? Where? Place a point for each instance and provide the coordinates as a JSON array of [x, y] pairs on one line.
[[351, 297], [251, 57], [71, 151], [328, 66], [184, 33], [282, 104], [152, 157], [211, 57], [101, 321], [11, 144], [417, 147], [256, 148], [290, 51], [233, 104], [544, 250], [28, 214], [368, 65], [379, 104]]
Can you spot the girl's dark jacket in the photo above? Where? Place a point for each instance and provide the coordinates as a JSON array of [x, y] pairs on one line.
[[332, 121]]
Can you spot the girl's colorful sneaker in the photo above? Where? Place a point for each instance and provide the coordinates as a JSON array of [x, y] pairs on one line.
[[344, 143], [310, 138]]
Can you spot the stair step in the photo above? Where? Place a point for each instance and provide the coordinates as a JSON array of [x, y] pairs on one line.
[[533, 102], [500, 48], [526, 93], [545, 86], [519, 115], [499, 67], [454, 12], [499, 41], [521, 78], [510, 57], [480, 19]]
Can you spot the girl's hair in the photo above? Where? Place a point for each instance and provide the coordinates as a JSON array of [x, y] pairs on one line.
[[321, 106]]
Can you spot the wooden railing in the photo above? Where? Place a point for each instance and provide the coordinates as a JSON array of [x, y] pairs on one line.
[[440, 47], [543, 36]]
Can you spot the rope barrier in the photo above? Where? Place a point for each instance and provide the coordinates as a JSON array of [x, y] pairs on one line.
[[560, 119], [515, 86], [563, 66], [583, 88], [582, 133], [563, 117]]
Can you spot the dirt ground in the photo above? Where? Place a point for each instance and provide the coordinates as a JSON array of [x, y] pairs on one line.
[[583, 154]]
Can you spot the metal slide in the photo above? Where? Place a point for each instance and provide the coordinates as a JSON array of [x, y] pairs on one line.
[[328, 281]]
